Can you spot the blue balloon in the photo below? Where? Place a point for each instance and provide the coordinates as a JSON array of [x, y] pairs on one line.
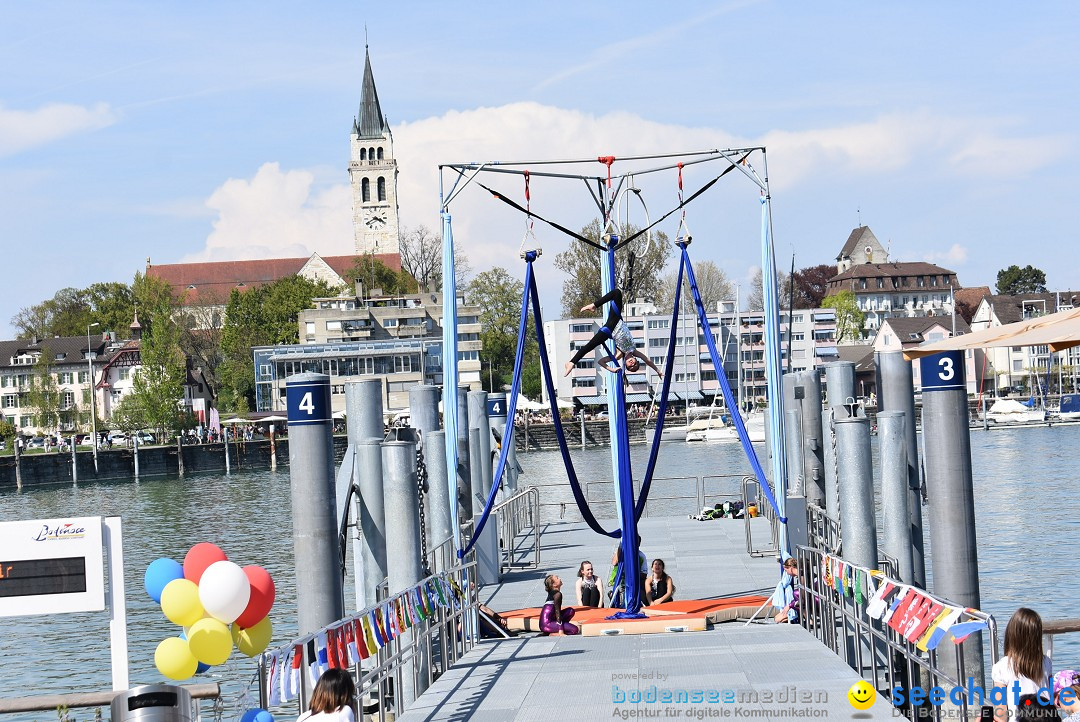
[[257, 715], [159, 573]]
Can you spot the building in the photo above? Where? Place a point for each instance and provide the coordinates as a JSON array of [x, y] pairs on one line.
[[1025, 369], [349, 337], [114, 363], [373, 175], [898, 334], [861, 247], [739, 340]]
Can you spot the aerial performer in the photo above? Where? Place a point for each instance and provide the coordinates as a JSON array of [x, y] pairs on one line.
[[617, 331]]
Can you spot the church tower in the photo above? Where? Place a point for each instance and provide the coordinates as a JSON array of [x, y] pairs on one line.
[[373, 172]]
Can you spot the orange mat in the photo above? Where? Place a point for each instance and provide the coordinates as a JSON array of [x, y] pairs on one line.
[[680, 615]]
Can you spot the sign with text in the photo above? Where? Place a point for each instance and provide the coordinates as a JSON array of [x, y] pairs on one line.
[[943, 371], [308, 401], [496, 406], [51, 566]]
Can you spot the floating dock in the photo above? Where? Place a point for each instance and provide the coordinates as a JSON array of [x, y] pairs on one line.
[[762, 671]]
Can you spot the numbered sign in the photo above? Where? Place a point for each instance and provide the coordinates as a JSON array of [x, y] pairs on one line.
[[496, 406], [51, 566], [308, 401], [943, 371]]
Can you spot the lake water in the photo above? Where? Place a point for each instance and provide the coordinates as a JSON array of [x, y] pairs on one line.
[[1026, 508]]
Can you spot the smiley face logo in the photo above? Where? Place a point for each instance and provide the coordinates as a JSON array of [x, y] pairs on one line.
[[861, 695]]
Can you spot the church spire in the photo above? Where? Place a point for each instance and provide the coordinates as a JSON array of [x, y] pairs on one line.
[[370, 123]]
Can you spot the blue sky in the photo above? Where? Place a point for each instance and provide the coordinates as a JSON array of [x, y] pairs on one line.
[[220, 130]]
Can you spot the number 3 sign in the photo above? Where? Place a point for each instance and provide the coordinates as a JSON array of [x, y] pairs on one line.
[[943, 371]]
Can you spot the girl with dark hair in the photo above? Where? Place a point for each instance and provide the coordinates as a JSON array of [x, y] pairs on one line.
[[1024, 664], [333, 699], [660, 588], [553, 618], [590, 588]]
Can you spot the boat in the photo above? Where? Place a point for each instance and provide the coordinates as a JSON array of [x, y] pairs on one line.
[[1070, 407], [1010, 411], [713, 429]]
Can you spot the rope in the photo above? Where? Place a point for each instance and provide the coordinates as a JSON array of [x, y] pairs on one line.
[[721, 376], [553, 224]]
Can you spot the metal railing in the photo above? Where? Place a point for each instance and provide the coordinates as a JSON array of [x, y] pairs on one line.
[[666, 490], [519, 516], [1053, 627], [102, 700], [877, 652], [419, 655], [823, 531], [751, 494]]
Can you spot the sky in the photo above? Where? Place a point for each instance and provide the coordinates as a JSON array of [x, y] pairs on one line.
[[213, 131]]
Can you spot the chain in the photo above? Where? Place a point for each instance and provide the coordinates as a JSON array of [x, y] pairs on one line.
[[836, 474], [421, 490]]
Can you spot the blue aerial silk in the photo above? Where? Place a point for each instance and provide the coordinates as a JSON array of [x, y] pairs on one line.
[[450, 373]]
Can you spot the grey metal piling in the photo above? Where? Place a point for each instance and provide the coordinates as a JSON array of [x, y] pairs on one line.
[[424, 408], [497, 425], [840, 386], [478, 419], [464, 476], [892, 458], [950, 492], [488, 561], [403, 550], [135, 453], [180, 456], [437, 514], [315, 529], [367, 399], [896, 392], [372, 511], [813, 446], [793, 449], [832, 494], [858, 527]]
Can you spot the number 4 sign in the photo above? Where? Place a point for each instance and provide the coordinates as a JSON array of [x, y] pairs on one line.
[[308, 400], [943, 371]]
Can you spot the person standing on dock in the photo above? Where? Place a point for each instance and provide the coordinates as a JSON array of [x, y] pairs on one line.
[[1024, 665]]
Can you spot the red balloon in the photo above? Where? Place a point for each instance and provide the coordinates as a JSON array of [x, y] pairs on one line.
[[262, 597], [199, 557]]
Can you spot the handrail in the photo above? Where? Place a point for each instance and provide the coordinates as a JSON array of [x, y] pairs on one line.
[[49, 702], [1054, 627], [766, 512], [515, 515]]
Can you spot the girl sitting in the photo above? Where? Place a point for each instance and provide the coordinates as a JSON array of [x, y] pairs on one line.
[[553, 618]]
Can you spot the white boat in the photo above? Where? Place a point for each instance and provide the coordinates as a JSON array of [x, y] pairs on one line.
[[713, 429], [1010, 411], [674, 430], [755, 427]]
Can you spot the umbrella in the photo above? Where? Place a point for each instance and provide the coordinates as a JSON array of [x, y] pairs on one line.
[[524, 404], [564, 404], [237, 420], [339, 414], [272, 419]]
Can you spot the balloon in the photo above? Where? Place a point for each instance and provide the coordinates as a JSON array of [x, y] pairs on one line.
[[174, 660], [224, 591], [254, 640], [257, 715], [202, 666], [262, 596], [199, 557], [158, 574], [180, 602], [210, 641]]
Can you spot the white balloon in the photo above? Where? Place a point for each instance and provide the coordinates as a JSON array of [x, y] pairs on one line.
[[224, 591]]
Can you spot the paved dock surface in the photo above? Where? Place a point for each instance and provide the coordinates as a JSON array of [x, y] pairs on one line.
[[764, 671]]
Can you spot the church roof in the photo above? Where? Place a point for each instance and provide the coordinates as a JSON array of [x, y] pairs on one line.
[[860, 237], [893, 269], [370, 123], [210, 283]]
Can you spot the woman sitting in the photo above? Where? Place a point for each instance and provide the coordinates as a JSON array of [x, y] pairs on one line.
[[660, 587], [590, 588], [553, 618]]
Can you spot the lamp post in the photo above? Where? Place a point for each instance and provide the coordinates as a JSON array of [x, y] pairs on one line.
[[93, 405]]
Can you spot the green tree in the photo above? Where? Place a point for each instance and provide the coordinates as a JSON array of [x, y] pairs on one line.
[[44, 395], [498, 294], [581, 263], [130, 415], [158, 387], [112, 305], [71, 310], [374, 274], [849, 319], [262, 316], [1015, 280], [7, 429]]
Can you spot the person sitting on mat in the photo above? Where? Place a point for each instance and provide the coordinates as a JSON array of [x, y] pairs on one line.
[[660, 587], [590, 588], [785, 597], [553, 618]]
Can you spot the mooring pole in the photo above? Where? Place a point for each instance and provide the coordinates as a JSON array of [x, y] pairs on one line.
[[424, 408], [496, 409], [437, 513], [135, 453], [892, 454], [950, 492], [813, 464], [858, 527], [180, 455], [75, 463], [488, 560], [364, 414], [478, 419], [403, 549], [319, 599]]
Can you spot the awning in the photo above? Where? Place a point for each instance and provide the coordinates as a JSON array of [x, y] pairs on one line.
[[826, 351], [638, 398], [591, 400], [636, 379], [1059, 331], [691, 395]]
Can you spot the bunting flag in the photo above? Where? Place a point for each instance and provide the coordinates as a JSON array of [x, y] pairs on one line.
[[900, 617], [410, 607], [373, 630], [826, 564], [332, 660], [927, 614], [401, 613], [342, 647], [859, 576], [421, 603], [437, 583], [876, 607], [938, 629], [458, 594], [360, 639], [322, 645], [838, 576], [895, 604], [292, 682], [273, 677], [960, 632], [352, 651], [369, 635], [313, 664]]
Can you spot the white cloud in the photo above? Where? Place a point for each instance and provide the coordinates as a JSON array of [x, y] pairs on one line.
[[956, 255], [22, 130], [278, 214]]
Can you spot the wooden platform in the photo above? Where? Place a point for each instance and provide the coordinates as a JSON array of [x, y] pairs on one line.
[[689, 615]]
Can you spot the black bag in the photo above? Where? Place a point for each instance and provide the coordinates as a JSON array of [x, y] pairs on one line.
[[1032, 707]]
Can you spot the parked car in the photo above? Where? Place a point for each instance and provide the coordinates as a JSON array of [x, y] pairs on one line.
[[37, 442], [145, 437], [3, 445]]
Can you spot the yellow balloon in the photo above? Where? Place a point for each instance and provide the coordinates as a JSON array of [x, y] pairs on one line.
[[210, 641], [254, 639], [180, 602], [174, 660]]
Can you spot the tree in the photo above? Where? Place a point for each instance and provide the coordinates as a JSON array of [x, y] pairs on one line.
[[374, 274], [112, 305], [7, 429], [71, 310], [1015, 280], [849, 319], [756, 300], [44, 395], [581, 262], [421, 257], [811, 285], [713, 285], [158, 387], [264, 316], [498, 295]]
